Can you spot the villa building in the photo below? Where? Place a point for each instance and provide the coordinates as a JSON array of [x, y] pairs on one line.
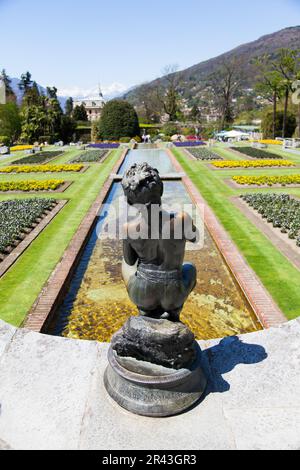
[[93, 106]]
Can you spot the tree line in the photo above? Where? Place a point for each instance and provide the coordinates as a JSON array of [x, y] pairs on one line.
[[39, 116]]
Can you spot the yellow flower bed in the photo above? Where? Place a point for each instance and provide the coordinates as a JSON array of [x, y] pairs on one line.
[[251, 163], [267, 180], [30, 185], [268, 142], [40, 168], [17, 148]]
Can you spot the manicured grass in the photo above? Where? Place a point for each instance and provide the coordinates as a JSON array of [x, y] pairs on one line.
[[277, 274], [23, 282]]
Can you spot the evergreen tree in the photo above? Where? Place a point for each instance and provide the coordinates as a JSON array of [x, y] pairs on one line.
[[195, 114], [68, 128], [79, 113], [25, 82], [118, 119], [267, 124], [69, 106], [32, 96], [10, 123], [287, 66]]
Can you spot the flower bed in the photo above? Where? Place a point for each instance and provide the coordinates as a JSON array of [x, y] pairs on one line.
[[267, 180], [193, 143], [90, 156], [252, 163], [41, 168], [205, 154], [256, 153], [17, 218], [18, 148], [104, 146], [269, 142], [38, 158], [30, 185], [281, 210]]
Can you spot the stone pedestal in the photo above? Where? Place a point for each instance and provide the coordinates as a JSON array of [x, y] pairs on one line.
[[148, 389]]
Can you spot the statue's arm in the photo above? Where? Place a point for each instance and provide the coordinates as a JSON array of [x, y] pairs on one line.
[[130, 255]]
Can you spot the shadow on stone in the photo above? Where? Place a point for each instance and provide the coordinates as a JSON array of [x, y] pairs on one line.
[[224, 357]]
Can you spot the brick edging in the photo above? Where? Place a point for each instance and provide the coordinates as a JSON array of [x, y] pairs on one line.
[[11, 259], [44, 307], [256, 294]]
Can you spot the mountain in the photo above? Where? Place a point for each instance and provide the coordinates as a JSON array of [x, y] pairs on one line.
[[19, 93], [194, 79]]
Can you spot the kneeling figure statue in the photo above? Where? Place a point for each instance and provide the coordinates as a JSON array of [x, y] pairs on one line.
[[154, 361]]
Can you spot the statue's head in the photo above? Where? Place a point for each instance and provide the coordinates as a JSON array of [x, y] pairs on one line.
[[142, 185]]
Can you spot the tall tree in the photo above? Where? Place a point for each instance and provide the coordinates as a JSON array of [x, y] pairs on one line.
[[41, 115], [225, 84], [195, 114], [32, 96], [296, 100], [269, 85], [52, 92], [79, 113], [118, 119], [287, 66], [69, 106], [169, 94], [25, 82], [10, 123], [149, 106]]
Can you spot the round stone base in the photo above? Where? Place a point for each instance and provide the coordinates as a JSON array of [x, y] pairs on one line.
[[150, 390]]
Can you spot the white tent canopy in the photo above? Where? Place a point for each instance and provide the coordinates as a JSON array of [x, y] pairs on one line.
[[232, 134]]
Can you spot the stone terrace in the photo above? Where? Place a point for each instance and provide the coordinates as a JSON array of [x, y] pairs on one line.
[[52, 396]]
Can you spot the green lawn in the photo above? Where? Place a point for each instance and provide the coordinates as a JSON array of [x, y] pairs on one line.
[[278, 275], [20, 286]]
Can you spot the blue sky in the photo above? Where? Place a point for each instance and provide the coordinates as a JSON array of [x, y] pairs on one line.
[[73, 44]]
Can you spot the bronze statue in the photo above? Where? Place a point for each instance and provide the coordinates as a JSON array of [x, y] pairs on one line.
[[157, 280], [154, 361]]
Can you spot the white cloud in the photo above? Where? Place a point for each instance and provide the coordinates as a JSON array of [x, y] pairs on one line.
[[108, 91]]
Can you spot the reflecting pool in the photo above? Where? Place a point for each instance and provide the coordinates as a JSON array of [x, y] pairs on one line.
[[97, 304], [155, 157]]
